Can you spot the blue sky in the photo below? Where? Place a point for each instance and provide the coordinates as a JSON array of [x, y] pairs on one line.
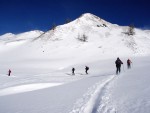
[[18, 16]]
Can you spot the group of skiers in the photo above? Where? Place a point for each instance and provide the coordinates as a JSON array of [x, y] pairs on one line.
[[118, 63], [86, 70]]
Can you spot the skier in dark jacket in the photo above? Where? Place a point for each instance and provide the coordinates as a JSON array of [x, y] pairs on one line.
[[73, 69], [129, 63], [118, 65], [86, 69], [9, 72]]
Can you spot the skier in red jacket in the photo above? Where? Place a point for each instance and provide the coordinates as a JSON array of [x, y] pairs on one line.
[[129, 63]]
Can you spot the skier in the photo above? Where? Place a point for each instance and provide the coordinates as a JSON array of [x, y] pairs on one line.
[[86, 69], [73, 69], [9, 72], [129, 63], [118, 65]]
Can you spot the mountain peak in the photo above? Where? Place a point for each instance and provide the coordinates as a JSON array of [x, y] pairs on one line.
[[93, 18], [89, 15]]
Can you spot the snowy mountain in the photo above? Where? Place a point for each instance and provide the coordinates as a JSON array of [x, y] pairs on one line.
[[109, 38], [42, 82]]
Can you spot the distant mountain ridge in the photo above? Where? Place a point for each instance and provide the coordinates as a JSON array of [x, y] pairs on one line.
[[20, 36]]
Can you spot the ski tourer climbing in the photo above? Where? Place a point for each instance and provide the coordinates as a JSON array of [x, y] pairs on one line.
[[9, 72], [86, 69], [129, 63], [118, 65], [73, 69]]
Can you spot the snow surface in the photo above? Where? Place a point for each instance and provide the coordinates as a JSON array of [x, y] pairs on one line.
[[41, 80]]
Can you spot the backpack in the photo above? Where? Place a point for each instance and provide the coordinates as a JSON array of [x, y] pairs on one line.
[[118, 62]]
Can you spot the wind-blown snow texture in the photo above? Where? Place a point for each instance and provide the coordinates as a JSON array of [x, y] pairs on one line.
[[41, 80]]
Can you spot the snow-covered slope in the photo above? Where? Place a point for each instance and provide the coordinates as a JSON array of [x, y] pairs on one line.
[[9, 37]]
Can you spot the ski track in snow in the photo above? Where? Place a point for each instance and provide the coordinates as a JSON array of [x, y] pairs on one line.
[[97, 99]]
